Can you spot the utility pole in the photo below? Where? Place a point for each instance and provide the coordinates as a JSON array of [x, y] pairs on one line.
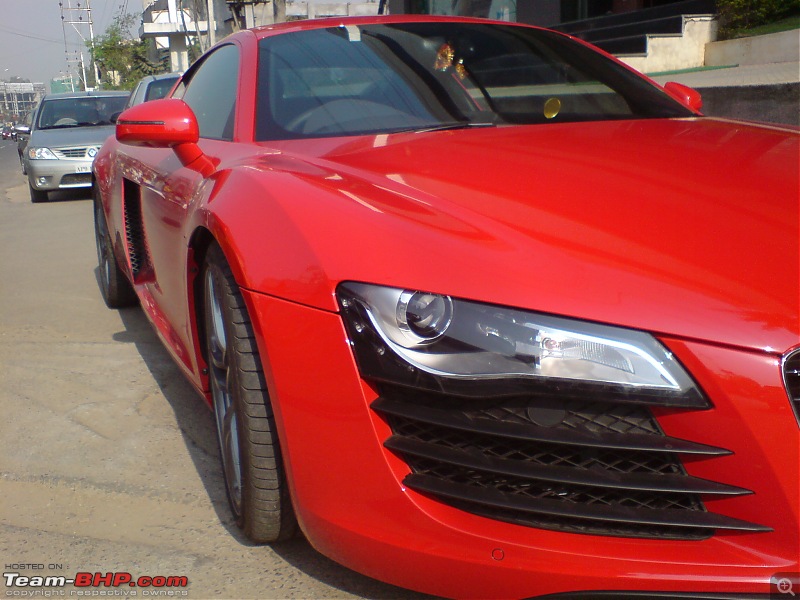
[[75, 16], [211, 19]]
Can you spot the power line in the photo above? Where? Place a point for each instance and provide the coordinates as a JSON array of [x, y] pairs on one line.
[[29, 36]]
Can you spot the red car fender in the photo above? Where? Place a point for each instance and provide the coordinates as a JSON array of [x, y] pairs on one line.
[[248, 220]]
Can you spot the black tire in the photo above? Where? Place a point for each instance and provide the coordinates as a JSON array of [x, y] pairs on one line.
[[251, 459], [115, 288], [37, 195]]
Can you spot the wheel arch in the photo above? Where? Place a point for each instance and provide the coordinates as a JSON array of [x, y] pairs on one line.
[[260, 230], [199, 243]]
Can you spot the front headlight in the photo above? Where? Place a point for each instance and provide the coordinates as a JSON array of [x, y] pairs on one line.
[[444, 344], [41, 154]]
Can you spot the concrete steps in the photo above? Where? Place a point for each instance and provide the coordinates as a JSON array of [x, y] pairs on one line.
[[672, 36]]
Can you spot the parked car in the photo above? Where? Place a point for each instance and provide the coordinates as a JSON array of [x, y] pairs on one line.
[[152, 87], [23, 131], [485, 311], [66, 132]]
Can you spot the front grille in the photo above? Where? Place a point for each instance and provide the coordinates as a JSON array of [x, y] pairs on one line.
[[596, 467], [791, 377], [76, 180], [71, 152]]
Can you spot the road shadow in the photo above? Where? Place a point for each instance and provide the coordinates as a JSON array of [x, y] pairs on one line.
[[197, 427], [68, 195]]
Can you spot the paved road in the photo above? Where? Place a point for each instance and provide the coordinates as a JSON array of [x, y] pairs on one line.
[[108, 459]]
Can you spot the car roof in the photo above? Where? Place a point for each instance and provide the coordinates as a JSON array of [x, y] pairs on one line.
[[166, 76], [95, 93], [308, 24], [148, 79]]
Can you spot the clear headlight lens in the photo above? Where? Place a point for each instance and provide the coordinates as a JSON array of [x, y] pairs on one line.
[[41, 154], [446, 344]]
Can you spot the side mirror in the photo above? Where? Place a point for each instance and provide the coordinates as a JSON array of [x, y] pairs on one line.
[[158, 124], [23, 129], [167, 123], [685, 95]]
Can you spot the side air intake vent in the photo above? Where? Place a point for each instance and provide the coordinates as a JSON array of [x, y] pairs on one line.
[[141, 267], [791, 376]]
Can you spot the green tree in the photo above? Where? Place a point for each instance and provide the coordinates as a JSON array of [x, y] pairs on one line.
[[121, 57]]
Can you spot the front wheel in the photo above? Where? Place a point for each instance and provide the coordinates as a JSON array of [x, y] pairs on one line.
[[248, 440]]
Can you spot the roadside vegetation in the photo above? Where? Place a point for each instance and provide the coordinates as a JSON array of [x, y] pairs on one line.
[[742, 18], [121, 56]]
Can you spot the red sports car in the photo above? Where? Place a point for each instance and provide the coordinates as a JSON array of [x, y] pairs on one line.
[[484, 311]]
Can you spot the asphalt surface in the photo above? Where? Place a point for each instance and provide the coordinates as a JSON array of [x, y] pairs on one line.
[[108, 458]]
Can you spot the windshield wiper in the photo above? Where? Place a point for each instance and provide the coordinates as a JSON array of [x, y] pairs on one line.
[[445, 127]]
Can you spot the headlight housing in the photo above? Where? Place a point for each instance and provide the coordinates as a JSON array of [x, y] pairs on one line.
[[41, 154], [443, 344]]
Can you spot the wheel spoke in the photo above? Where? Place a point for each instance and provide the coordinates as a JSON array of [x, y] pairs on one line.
[[230, 433], [221, 390], [103, 247], [217, 338]]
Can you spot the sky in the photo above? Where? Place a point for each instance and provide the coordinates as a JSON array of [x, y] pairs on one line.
[[32, 35]]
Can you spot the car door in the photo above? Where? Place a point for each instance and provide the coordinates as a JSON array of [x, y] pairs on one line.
[[159, 194]]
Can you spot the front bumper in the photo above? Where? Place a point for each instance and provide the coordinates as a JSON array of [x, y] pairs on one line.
[[48, 175], [351, 502]]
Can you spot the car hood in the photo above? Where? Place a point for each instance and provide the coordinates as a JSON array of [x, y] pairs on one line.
[[681, 227], [71, 136]]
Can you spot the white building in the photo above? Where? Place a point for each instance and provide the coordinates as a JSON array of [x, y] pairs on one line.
[[176, 24]]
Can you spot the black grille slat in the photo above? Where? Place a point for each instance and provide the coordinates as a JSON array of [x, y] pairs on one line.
[[587, 415], [574, 465], [528, 431], [586, 477], [613, 460], [664, 517]]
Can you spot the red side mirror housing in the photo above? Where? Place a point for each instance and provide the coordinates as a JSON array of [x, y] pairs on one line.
[[167, 123], [158, 124], [685, 95]]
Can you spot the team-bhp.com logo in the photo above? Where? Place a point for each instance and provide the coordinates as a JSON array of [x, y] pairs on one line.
[[157, 585]]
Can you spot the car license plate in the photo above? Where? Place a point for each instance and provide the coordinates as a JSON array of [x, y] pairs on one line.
[[83, 169]]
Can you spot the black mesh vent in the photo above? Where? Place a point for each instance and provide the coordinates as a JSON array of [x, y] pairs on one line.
[[134, 232], [77, 179], [791, 376], [582, 467]]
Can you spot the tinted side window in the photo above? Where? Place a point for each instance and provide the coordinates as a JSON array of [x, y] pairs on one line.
[[211, 93], [136, 97], [159, 88]]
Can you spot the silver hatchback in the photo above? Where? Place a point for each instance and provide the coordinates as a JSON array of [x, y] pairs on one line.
[[67, 130]]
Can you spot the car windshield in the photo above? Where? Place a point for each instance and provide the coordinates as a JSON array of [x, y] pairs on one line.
[[79, 112], [352, 80]]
